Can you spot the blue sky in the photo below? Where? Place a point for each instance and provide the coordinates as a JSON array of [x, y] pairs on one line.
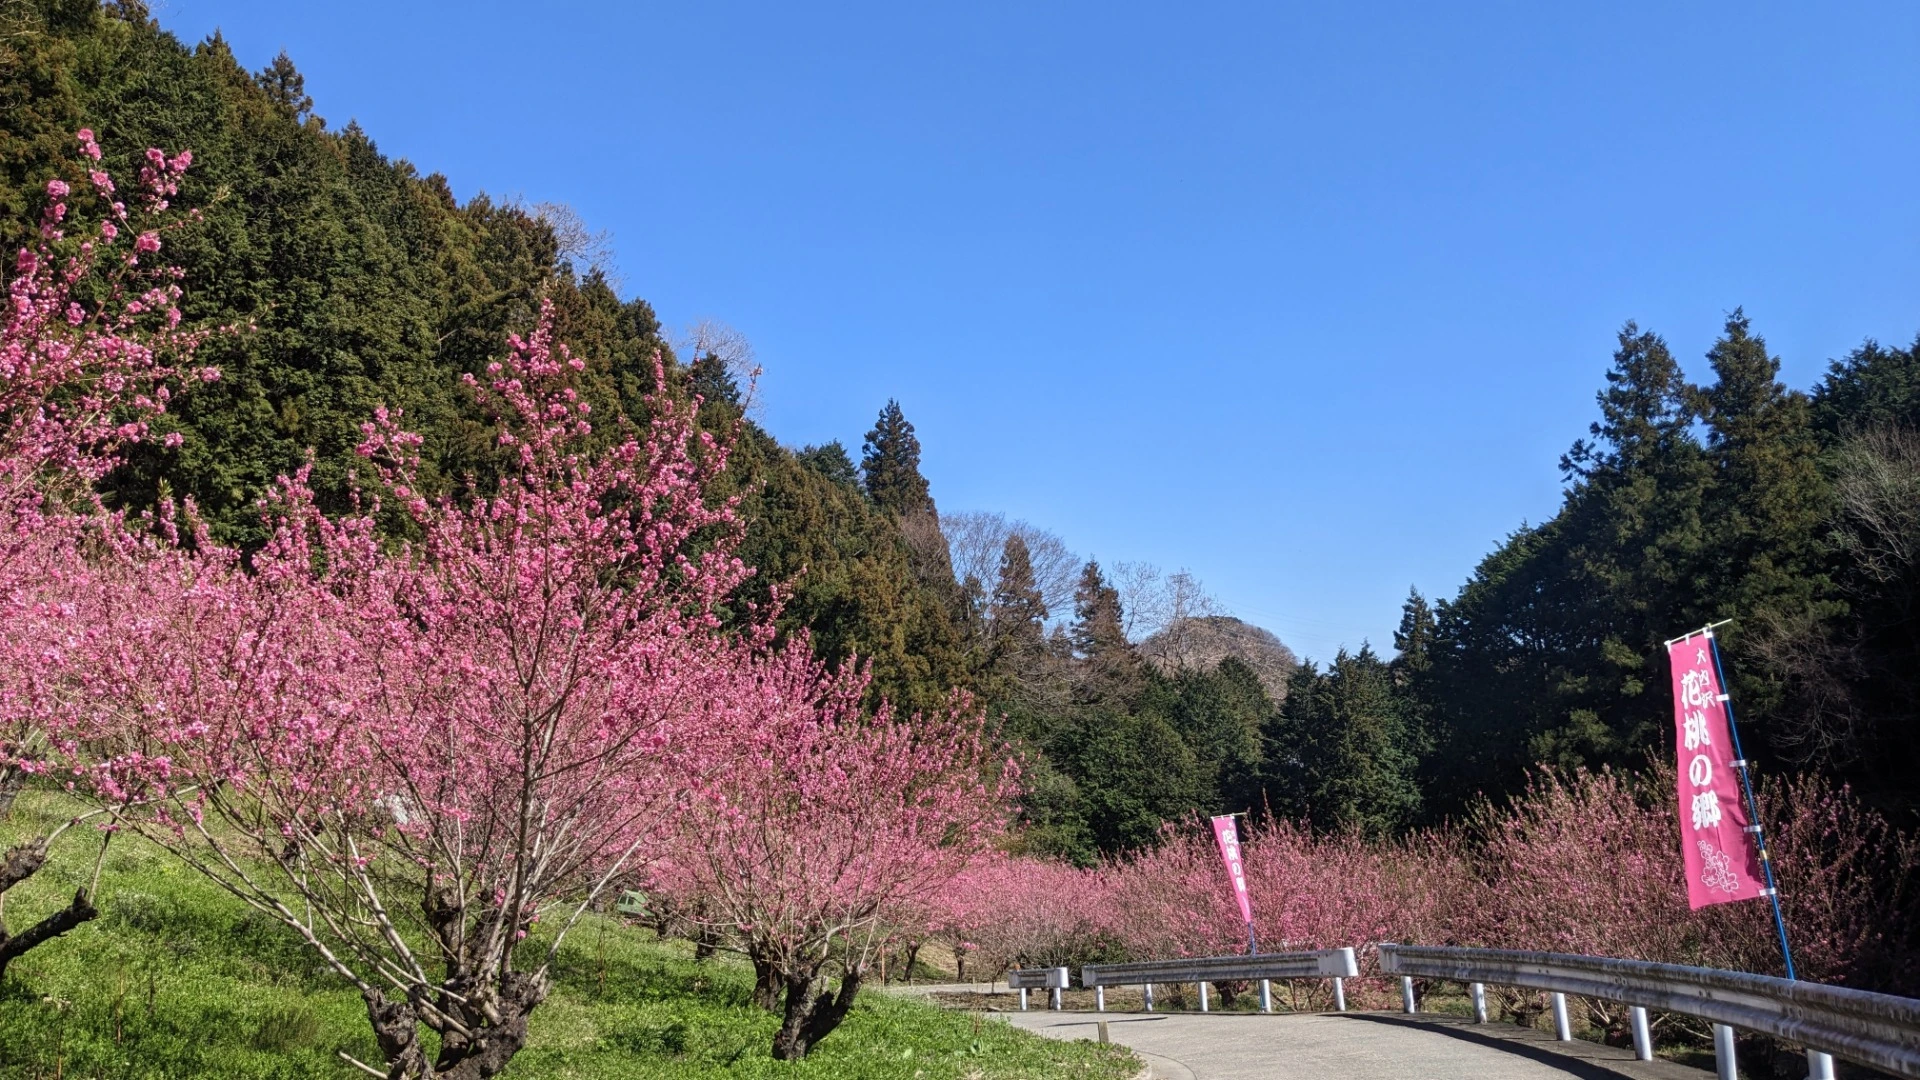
[[1307, 300]]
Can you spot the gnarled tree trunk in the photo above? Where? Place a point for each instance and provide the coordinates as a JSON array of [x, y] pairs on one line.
[[495, 1019], [22, 862], [13, 779], [812, 1013], [767, 985]]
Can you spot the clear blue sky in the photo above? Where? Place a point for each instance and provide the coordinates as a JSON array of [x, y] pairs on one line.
[[1305, 299]]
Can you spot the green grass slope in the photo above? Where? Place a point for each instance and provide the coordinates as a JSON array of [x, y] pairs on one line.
[[176, 979]]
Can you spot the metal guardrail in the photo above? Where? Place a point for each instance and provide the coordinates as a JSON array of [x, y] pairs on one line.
[[1880, 1031], [1337, 964], [1053, 979]]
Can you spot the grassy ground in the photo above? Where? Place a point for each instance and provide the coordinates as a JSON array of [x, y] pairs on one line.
[[177, 979]]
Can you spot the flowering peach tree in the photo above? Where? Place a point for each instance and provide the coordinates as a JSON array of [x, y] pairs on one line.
[[828, 830], [89, 346], [428, 759]]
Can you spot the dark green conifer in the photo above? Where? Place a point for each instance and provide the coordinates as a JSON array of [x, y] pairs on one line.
[[1345, 757], [1098, 625], [831, 461], [1413, 641], [285, 86], [890, 463], [709, 378], [1769, 500], [1019, 613], [1109, 670], [1874, 388]]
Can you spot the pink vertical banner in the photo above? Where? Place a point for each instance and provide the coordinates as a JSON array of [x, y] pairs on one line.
[[1721, 857], [1229, 840]]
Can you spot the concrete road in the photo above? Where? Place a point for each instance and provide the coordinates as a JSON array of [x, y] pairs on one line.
[[1346, 1046]]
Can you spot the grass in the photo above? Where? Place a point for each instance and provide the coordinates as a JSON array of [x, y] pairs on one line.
[[177, 979]]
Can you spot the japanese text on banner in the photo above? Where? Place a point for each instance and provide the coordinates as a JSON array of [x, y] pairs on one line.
[[1721, 857], [1229, 840]]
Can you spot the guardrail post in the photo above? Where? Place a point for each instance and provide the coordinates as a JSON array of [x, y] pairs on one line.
[[1723, 1062], [1023, 999], [1642, 1034], [1478, 992], [1054, 999], [1339, 994], [1203, 995], [1266, 995], [1099, 999], [1872, 1030], [1149, 997]]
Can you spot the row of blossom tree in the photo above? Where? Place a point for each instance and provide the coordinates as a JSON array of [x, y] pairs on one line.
[[430, 758], [1581, 862]]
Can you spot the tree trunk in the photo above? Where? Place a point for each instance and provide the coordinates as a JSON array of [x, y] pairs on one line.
[[396, 1027], [11, 946], [22, 862], [766, 984], [494, 1041], [913, 957], [812, 1013], [13, 779], [704, 943]]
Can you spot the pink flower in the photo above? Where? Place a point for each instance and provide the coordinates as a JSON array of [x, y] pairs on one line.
[[57, 189]]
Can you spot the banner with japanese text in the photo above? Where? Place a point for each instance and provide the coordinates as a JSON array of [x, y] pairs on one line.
[[1229, 840], [1722, 860]]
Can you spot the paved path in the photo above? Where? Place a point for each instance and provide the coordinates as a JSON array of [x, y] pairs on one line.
[[1351, 1046], [1343, 1046]]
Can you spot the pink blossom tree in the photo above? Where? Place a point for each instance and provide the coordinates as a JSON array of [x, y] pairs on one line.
[[418, 755], [827, 829], [1015, 912], [1588, 862], [88, 345]]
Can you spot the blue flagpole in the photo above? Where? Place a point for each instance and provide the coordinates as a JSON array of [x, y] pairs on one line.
[[1753, 807]]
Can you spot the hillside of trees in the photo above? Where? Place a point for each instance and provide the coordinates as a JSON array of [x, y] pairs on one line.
[[349, 280]]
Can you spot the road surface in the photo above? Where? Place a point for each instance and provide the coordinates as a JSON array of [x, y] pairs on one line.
[[1342, 1046]]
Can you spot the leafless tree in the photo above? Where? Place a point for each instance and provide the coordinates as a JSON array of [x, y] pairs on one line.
[[735, 352], [927, 550], [582, 245], [1154, 601], [1820, 661], [976, 539], [1879, 489]]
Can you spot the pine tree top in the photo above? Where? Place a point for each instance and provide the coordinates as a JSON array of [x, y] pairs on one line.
[[890, 463]]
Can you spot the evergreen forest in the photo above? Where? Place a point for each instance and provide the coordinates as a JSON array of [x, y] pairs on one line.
[[337, 279]]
